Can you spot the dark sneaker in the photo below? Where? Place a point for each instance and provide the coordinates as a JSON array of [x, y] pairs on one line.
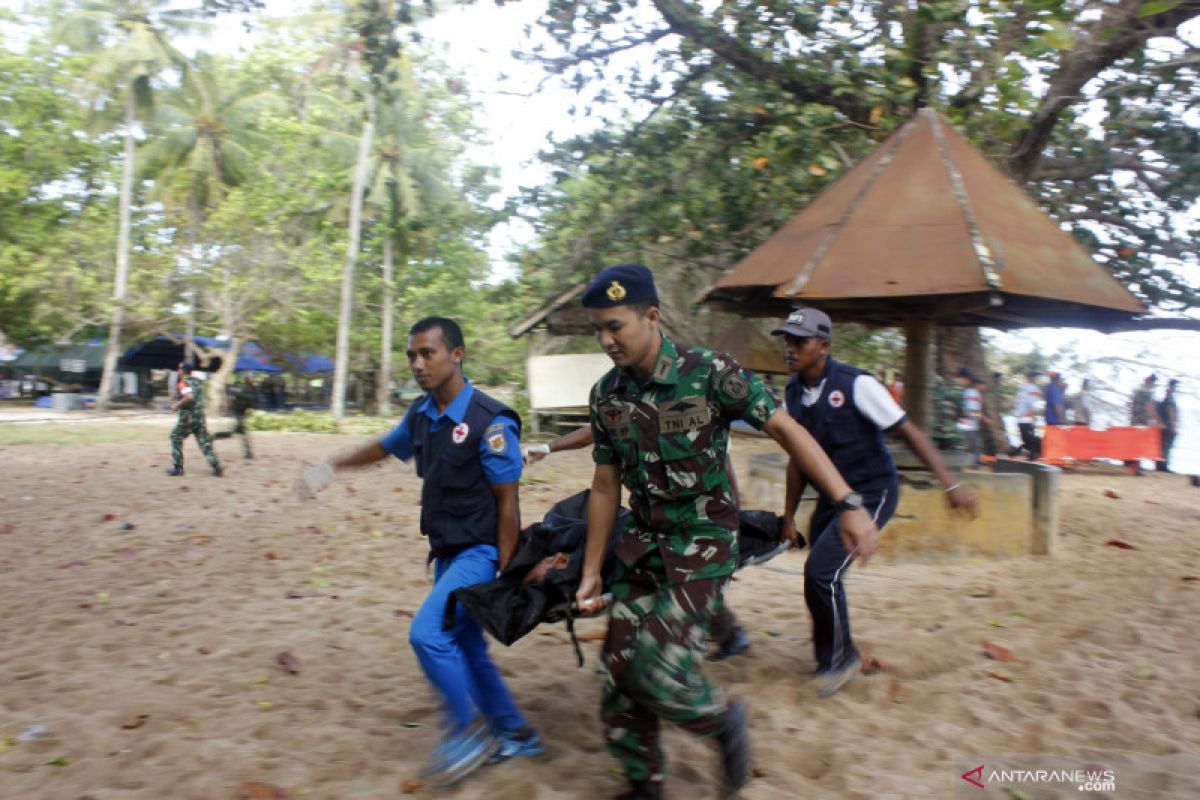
[[641, 790], [831, 681], [519, 742], [738, 642], [736, 755], [218, 471], [459, 755], [175, 472]]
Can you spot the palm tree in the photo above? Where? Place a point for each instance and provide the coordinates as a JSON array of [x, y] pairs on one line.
[[131, 48], [406, 181], [206, 141]]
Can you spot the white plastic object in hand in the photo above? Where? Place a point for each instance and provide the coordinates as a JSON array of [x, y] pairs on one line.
[[541, 449], [319, 476]]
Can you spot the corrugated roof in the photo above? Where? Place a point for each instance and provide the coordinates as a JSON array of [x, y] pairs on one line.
[[926, 227]]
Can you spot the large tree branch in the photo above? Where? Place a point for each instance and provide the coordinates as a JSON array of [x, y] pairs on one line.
[[1117, 34], [1007, 40], [690, 23], [1159, 323], [562, 63], [1067, 169]]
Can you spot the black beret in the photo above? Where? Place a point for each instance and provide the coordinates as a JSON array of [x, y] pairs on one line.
[[620, 286]]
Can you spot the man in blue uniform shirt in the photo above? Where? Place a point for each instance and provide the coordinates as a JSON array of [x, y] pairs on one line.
[[466, 448], [848, 412]]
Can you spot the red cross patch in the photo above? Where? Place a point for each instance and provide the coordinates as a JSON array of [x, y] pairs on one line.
[[836, 398], [459, 434]]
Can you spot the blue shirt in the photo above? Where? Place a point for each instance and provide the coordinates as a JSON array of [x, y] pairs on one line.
[[1054, 403], [499, 448]]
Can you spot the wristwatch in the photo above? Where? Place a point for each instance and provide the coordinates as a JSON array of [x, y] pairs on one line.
[[851, 502]]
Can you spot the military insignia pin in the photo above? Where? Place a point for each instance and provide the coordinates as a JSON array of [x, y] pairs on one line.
[[616, 292]]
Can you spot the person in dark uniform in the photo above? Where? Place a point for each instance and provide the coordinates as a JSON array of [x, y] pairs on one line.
[[190, 405], [1168, 415], [242, 397], [466, 446], [848, 412], [660, 424]]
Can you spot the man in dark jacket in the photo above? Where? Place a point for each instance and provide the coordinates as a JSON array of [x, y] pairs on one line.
[[848, 412]]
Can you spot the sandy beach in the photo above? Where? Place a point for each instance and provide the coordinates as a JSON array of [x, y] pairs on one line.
[[144, 614]]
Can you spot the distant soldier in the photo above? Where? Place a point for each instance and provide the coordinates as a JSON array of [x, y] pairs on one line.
[[1168, 414], [947, 408], [242, 397], [190, 405]]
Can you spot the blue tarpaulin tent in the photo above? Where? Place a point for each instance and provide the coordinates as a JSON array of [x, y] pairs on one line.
[[164, 352]]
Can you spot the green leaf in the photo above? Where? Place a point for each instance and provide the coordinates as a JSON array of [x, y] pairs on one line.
[[1157, 7]]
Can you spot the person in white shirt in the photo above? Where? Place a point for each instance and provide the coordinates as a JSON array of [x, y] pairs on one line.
[[972, 413], [1026, 409]]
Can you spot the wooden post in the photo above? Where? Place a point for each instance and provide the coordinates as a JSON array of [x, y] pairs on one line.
[[918, 371]]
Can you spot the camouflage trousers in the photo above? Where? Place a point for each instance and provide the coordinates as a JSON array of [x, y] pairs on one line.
[[653, 654], [194, 427], [239, 427]]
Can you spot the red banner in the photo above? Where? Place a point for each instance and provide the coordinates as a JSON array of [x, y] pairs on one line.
[[1080, 443]]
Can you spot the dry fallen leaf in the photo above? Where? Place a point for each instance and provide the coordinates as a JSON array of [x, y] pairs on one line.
[[998, 653], [273, 555], [871, 664], [411, 785], [288, 662], [1000, 676], [136, 723], [1112, 494], [1117, 543], [759, 772], [256, 790], [983, 591], [403, 612]]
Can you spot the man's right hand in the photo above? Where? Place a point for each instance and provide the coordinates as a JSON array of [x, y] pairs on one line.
[[314, 479], [859, 533], [587, 596]]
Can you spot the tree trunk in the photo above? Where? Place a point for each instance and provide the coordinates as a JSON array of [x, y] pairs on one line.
[[342, 360], [121, 279], [217, 395], [918, 370], [383, 389]]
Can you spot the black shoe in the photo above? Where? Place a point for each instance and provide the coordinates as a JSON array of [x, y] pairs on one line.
[[738, 642], [175, 472], [736, 754], [217, 471], [641, 790]]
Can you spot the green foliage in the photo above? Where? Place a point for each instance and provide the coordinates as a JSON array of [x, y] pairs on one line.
[[303, 421]]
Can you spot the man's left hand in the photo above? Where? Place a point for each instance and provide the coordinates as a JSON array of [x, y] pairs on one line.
[[962, 500]]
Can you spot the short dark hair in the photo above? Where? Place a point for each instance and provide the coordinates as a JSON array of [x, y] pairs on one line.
[[452, 335]]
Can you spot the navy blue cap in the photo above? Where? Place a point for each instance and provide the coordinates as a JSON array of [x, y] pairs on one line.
[[620, 286]]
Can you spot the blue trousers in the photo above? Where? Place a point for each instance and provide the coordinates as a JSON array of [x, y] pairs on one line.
[[823, 571], [456, 661]]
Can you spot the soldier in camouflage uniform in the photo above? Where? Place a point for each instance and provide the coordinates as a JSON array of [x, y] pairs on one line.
[[660, 421], [947, 408], [190, 406]]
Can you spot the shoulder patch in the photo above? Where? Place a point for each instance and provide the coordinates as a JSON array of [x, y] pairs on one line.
[[735, 385], [496, 441]]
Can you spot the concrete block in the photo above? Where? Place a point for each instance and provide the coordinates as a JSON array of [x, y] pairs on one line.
[[923, 528], [1046, 480]]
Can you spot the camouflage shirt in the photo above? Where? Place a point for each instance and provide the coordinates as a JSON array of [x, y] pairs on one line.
[[191, 387], [669, 436], [947, 408]]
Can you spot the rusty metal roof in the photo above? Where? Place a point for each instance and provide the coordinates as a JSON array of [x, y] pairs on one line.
[[925, 227]]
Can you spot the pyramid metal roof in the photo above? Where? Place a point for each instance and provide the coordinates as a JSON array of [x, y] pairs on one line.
[[926, 228]]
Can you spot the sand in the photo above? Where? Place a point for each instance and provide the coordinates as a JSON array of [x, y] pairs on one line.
[[148, 653]]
